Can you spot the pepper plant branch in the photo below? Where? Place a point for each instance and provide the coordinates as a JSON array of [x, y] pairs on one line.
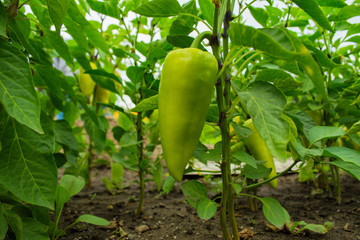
[[272, 178], [199, 38], [246, 63]]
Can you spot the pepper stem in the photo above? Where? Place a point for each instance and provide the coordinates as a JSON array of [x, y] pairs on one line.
[[199, 38]]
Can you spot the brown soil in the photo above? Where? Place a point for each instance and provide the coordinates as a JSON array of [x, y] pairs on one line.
[[171, 217]]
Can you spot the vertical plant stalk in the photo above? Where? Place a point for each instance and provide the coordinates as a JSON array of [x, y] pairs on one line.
[[227, 195], [139, 130], [226, 136]]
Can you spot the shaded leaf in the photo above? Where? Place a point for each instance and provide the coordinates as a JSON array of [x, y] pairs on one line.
[[159, 8], [17, 88], [274, 212], [206, 208], [193, 191]]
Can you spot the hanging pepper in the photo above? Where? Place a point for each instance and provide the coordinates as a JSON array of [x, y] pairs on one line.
[[257, 147], [186, 87]]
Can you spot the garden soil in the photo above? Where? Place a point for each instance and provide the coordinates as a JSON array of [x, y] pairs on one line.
[[171, 217]]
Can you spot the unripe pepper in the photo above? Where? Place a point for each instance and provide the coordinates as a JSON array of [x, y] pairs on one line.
[[260, 151], [186, 87], [86, 83]]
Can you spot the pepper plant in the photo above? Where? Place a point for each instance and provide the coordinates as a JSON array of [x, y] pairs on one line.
[[262, 76]]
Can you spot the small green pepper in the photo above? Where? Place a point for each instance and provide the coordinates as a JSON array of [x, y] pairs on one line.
[[186, 87], [257, 147]]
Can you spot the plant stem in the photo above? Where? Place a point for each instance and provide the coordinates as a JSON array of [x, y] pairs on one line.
[[272, 178], [139, 130], [215, 45], [225, 129]]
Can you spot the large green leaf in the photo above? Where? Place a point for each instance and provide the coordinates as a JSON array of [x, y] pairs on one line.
[[57, 11], [17, 88], [312, 8], [343, 153], [346, 13], [159, 8], [243, 35], [27, 166], [318, 133], [352, 169], [18, 33], [32, 229], [265, 104], [147, 104], [274, 212]]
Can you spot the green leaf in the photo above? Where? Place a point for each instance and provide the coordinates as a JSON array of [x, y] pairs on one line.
[[3, 222], [242, 35], [125, 122], [158, 174], [57, 11], [274, 212], [281, 79], [17, 88], [321, 57], [343, 153], [92, 220], [245, 157], [346, 13], [102, 79], [314, 228], [77, 32], [46, 73], [109, 8], [265, 104], [260, 15], [147, 104], [96, 133], [62, 196], [15, 223], [318, 133], [159, 8], [65, 137], [332, 3], [117, 174], [352, 169], [181, 41], [256, 173], [312, 8], [168, 184], [2, 22], [96, 38], [206, 208], [60, 46], [18, 33], [31, 154], [72, 184], [308, 64], [32, 229], [207, 10], [193, 191], [354, 128]]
